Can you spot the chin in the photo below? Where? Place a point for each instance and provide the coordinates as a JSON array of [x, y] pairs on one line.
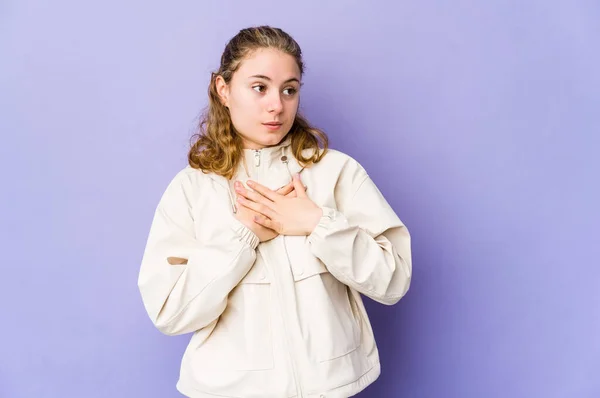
[[265, 139], [272, 139]]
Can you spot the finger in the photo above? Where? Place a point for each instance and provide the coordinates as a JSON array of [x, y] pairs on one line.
[[264, 191], [253, 196], [257, 207], [291, 194], [290, 191], [286, 189], [298, 187], [268, 223]]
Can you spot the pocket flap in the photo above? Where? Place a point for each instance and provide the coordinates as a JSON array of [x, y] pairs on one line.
[[258, 272], [304, 264]]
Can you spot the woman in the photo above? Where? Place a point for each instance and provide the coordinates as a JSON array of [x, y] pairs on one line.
[[262, 246]]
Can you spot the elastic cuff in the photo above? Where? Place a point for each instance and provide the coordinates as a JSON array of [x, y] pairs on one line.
[[246, 235], [330, 218]]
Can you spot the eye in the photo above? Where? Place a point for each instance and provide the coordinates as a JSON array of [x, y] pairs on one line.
[[290, 91], [259, 88]]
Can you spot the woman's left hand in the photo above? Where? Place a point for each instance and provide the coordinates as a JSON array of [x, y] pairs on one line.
[[285, 215]]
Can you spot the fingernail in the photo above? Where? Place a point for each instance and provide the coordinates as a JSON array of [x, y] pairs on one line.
[[250, 182]]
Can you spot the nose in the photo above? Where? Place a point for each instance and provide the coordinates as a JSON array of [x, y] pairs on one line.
[[275, 103]]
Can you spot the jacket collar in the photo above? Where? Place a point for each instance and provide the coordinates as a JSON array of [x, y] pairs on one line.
[[280, 154], [269, 155]]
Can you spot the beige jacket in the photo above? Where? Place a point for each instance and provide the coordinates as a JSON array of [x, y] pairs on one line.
[[283, 318]]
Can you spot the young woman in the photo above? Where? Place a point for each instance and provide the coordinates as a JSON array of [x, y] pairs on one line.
[[263, 245]]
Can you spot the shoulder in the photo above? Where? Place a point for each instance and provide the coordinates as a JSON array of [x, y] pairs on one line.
[[341, 164], [188, 178], [334, 158], [184, 186]]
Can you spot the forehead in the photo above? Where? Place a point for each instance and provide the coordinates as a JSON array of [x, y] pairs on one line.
[[269, 62]]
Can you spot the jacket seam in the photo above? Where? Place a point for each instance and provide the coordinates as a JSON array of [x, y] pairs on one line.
[[359, 186]]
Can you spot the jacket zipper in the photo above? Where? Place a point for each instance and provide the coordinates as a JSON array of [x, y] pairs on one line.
[[256, 157], [300, 394]]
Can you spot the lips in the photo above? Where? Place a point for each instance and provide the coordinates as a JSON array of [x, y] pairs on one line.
[[273, 124]]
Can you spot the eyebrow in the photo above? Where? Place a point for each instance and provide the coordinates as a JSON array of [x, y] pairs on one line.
[[293, 79]]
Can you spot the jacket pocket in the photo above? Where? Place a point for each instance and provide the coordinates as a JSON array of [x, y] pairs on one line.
[[327, 321], [241, 339]]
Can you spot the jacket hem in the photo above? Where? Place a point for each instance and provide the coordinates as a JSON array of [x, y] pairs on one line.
[[352, 388], [344, 391]]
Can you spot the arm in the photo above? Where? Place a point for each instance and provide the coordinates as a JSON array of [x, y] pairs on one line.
[[184, 284], [365, 246]]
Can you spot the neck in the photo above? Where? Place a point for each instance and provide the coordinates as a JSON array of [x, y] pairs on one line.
[[250, 145]]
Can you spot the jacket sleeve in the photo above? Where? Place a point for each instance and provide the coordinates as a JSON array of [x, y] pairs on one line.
[[364, 244], [184, 284]]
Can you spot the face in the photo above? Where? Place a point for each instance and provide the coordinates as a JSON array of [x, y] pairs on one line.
[[262, 97]]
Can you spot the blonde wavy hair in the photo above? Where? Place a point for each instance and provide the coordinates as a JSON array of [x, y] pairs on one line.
[[216, 147]]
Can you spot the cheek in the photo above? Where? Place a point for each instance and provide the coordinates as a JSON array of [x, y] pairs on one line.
[[292, 106], [243, 108]]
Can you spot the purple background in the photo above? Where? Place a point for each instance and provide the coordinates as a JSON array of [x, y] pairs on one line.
[[478, 120]]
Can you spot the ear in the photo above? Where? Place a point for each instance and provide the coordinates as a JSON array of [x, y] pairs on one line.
[[222, 90]]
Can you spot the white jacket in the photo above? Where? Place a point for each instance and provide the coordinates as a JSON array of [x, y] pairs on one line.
[[283, 318]]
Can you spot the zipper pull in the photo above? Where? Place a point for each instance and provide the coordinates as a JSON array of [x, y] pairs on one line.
[[256, 157]]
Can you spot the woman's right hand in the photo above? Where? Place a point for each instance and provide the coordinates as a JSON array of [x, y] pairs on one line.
[[246, 216]]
